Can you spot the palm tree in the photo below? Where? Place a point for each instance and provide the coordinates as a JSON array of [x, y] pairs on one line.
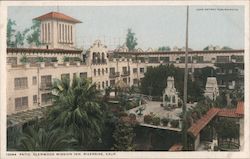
[[77, 109], [36, 138]]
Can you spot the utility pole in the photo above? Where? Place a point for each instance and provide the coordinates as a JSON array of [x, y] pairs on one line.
[[184, 107]]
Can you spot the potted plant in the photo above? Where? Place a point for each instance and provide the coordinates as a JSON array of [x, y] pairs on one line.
[[66, 60], [78, 61], [174, 123], [177, 60], [233, 58], [24, 60], [41, 60], [165, 121], [156, 121], [148, 119]]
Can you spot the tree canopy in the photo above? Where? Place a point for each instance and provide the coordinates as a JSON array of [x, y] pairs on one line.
[[131, 40], [155, 80], [19, 38], [164, 48]]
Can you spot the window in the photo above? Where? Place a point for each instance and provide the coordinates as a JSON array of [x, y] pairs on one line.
[[83, 75], [34, 99], [74, 75], [103, 71], [134, 70], [21, 103], [21, 83], [112, 82], [65, 76], [112, 70], [94, 72], [12, 60], [106, 70], [223, 59], [124, 69], [135, 81], [34, 80], [103, 84], [107, 83], [99, 72], [125, 80], [46, 82], [46, 98], [141, 70]]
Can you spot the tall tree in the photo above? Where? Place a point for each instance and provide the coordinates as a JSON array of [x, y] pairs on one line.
[[36, 138], [20, 38], [156, 78], [77, 109], [131, 40], [33, 37], [10, 32]]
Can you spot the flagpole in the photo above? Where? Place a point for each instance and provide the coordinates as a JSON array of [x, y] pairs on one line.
[[184, 108]]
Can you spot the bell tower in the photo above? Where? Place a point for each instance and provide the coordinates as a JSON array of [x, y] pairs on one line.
[[57, 30]]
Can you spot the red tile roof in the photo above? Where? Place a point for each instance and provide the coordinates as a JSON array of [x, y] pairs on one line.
[[240, 108], [228, 113], [58, 16], [195, 129], [176, 147]]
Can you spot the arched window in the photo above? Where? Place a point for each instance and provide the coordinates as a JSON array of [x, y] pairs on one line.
[[99, 72], [98, 57], [173, 99], [103, 71], [71, 40], [48, 32], [59, 32], [94, 57], [45, 33], [62, 32], [94, 72], [103, 84], [103, 58]]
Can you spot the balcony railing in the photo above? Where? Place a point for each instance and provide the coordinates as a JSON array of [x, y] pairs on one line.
[[125, 73], [114, 74], [46, 86], [99, 62]]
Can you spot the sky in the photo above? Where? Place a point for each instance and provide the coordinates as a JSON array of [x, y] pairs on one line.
[[154, 26]]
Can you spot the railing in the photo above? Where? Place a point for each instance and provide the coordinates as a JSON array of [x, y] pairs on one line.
[[114, 74], [101, 62], [46, 86], [21, 108], [125, 73]]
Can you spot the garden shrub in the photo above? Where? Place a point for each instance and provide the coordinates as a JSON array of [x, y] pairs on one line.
[[156, 121], [165, 121], [148, 119], [175, 123]]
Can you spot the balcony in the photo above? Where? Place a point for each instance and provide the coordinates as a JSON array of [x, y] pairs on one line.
[[99, 62], [125, 73], [114, 74], [46, 86]]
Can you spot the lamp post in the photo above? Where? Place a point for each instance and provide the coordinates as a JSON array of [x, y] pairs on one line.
[[184, 108]]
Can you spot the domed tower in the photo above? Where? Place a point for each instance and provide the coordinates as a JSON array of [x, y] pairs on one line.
[[57, 30]]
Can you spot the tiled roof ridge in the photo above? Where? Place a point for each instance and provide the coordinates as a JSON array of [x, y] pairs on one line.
[[57, 15]]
